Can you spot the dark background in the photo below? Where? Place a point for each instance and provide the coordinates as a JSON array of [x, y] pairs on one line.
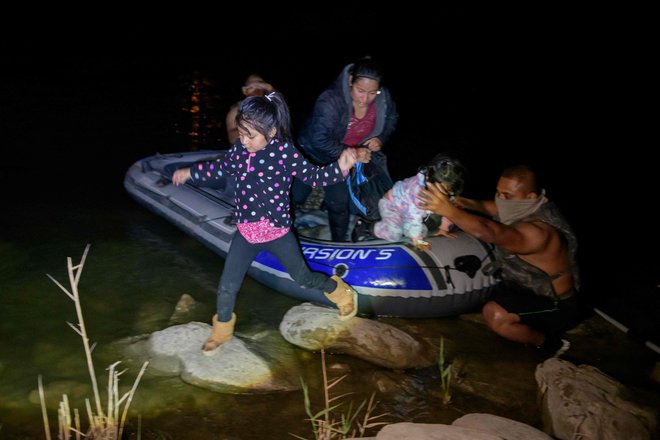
[[559, 88]]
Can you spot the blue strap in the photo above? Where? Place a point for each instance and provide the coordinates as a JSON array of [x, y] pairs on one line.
[[359, 179], [359, 176]]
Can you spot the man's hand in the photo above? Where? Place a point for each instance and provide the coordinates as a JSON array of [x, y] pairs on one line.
[[435, 198]]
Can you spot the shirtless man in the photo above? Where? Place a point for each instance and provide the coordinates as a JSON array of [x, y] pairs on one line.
[[535, 249]]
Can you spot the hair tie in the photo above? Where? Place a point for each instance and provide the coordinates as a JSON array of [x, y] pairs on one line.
[[270, 96]]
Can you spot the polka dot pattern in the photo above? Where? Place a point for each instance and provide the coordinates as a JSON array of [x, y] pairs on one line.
[[264, 178]]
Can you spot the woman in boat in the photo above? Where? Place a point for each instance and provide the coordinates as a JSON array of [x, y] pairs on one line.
[[356, 110]]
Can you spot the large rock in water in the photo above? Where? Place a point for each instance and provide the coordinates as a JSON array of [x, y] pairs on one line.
[[246, 364], [582, 402], [506, 428], [314, 327], [469, 427]]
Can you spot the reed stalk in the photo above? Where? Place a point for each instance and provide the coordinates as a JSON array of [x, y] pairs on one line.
[[104, 424], [44, 413], [445, 374], [326, 424]]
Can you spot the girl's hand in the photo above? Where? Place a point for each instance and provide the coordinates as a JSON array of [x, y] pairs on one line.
[[347, 160], [444, 233], [443, 230], [421, 244], [180, 176]]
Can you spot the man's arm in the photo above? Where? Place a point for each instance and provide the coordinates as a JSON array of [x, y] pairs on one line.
[[520, 238], [483, 206]]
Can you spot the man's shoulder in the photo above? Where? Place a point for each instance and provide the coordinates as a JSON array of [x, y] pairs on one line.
[[535, 227]]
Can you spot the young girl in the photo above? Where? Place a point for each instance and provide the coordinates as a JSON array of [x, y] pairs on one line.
[[400, 214], [263, 164]]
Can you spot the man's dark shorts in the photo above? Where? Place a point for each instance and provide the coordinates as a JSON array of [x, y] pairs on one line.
[[547, 315]]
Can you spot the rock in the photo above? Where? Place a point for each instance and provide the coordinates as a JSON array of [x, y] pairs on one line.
[[505, 428], [469, 427], [265, 363], [314, 327], [425, 431], [183, 309], [581, 401]]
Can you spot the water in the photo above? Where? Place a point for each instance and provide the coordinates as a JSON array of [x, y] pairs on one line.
[[75, 129], [137, 268]]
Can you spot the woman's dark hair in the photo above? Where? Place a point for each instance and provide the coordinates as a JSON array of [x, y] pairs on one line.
[[263, 113], [366, 68]]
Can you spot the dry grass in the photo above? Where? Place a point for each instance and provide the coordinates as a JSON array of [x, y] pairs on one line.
[[104, 423], [329, 423]]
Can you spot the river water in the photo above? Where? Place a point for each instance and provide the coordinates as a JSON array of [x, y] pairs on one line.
[[71, 139]]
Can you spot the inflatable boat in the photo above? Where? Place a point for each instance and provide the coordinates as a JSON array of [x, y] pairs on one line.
[[392, 279]]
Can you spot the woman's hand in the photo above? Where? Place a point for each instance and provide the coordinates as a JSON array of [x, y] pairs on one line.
[[363, 154], [374, 144], [180, 176]]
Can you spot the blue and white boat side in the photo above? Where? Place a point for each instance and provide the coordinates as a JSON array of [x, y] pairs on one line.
[[392, 279]]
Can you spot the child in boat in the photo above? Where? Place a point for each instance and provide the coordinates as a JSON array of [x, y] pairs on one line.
[[264, 162], [400, 214]]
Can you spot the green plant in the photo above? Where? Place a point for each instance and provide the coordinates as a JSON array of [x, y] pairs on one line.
[[445, 374], [103, 424], [327, 424]]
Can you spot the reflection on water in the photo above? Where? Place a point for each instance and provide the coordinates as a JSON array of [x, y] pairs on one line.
[[140, 265], [201, 121], [138, 268]]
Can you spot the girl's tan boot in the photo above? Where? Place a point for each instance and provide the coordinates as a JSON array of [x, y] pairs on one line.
[[220, 333], [345, 298]]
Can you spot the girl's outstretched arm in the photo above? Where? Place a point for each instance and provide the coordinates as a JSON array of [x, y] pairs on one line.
[[347, 160], [180, 176]]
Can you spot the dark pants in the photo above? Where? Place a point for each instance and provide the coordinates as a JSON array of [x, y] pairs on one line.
[[240, 256], [337, 203], [551, 316]]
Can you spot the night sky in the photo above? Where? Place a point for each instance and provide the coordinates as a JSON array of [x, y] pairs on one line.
[[553, 87]]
